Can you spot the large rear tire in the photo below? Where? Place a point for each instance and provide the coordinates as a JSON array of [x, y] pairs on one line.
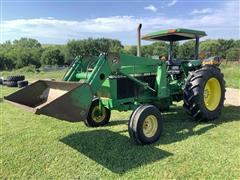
[[204, 93], [96, 116], [145, 125]]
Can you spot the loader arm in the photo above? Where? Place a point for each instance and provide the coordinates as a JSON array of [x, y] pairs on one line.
[[71, 99], [101, 71], [109, 64], [65, 100]]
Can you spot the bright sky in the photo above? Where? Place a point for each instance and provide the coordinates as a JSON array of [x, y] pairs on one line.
[[57, 21]]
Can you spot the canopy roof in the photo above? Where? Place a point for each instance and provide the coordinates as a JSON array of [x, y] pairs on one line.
[[174, 35]]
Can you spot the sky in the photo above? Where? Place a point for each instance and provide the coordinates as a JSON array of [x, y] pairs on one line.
[[57, 21]]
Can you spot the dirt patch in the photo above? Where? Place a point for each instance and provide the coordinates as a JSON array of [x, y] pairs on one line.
[[232, 96]]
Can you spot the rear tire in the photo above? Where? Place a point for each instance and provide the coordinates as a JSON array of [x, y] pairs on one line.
[[96, 117], [204, 93], [145, 125]]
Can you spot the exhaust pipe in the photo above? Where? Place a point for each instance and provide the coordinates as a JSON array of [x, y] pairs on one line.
[[139, 40]]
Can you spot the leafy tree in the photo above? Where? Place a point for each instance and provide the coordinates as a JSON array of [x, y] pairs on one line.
[[159, 48], [27, 43], [92, 47], [154, 49], [74, 48], [63, 49], [5, 62], [6, 46], [52, 56], [224, 45], [23, 57], [210, 48], [130, 50], [20, 53], [29, 52], [115, 46], [233, 54], [236, 44], [147, 51], [186, 50]]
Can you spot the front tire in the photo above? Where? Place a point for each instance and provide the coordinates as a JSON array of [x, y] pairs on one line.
[[204, 93], [145, 125], [96, 116]]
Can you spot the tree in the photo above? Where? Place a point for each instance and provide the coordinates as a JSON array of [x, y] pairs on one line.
[[6, 46], [160, 49], [132, 50], [210, 48], [146, 51], [23, 57], [5, 63], [52, 56], [236, 44], [224, 45], [115, 46], [20, 53], [233, 54], [27, 43], [92, 47], [186, 50]]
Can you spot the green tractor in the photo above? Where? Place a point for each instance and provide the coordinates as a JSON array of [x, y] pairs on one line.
[[95, 85]]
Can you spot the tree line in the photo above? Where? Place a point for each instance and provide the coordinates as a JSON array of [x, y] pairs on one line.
[[29, 52], [226, 49]]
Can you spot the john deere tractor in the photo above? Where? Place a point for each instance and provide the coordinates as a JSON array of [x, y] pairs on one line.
[[93, 86]]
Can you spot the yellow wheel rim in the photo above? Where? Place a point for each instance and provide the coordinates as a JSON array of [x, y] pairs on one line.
[[97, 114], [212, 94], [150, 126]]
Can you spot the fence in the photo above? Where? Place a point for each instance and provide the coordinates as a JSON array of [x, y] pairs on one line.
[[47, 68]]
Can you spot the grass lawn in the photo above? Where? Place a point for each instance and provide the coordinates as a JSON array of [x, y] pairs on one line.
[[231, 73], [40, 147]]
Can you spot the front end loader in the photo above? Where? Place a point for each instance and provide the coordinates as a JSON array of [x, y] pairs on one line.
[[95, 85]]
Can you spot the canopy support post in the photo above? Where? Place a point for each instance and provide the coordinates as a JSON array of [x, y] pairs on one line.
[[170, 53], [196, 47]]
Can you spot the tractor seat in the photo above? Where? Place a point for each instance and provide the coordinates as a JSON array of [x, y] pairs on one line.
[[174, 66], [174, 62]]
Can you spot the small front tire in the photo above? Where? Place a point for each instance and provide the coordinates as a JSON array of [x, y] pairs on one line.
[[96, 116], [145, 125]]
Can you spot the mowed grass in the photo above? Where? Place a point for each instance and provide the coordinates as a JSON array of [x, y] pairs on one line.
[[41, 147], [231, 73], [36, 146]]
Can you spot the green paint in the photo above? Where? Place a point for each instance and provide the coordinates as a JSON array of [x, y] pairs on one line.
[[105, 72], [161, 82], [81, 96], [103, 80], [123, 82], [168, 35]]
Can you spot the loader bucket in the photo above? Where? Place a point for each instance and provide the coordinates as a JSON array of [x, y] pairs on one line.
[[63, 100]]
